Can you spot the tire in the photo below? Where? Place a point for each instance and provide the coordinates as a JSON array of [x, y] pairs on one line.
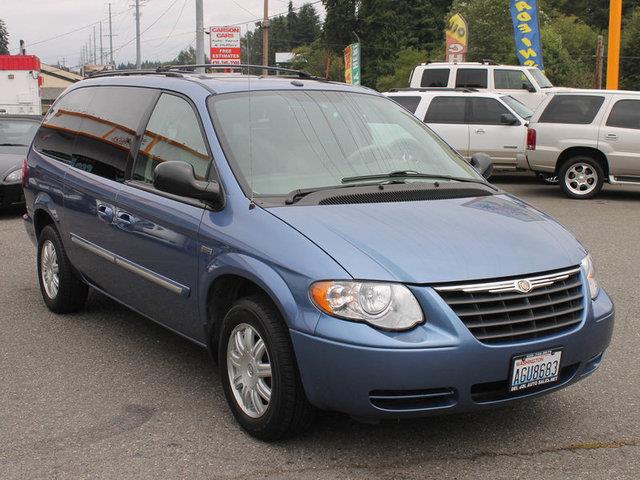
[[581, 188], [71, 293], [547, 178], [287, 411]]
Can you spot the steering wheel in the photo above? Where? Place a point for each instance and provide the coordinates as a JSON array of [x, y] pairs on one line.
[[407, 149]]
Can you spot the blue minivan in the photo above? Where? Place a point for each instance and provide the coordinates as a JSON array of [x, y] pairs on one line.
[[327, 248]]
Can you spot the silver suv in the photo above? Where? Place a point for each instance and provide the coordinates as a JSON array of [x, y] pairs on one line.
[[587, 138]]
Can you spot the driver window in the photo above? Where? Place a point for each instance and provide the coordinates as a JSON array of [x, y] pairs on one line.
[[173, 133]]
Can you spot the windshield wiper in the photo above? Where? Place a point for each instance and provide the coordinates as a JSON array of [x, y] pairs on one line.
[[299, 194], [12, 145], [408, 174]]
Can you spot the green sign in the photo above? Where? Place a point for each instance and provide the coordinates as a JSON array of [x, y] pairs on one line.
[[352, 62]]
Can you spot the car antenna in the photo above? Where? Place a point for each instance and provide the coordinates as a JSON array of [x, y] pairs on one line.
[[252, 203]]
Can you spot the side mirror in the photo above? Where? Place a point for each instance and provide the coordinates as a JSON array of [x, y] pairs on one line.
[[483, 164], [178, 178], [529, 88], [509, 119]]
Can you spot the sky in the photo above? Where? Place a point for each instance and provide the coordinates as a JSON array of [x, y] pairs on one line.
[[170, 24]]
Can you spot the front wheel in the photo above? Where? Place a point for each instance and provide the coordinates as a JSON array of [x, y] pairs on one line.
[[259, 373], [581, 177]]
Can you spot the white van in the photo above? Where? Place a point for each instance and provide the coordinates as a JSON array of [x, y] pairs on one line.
[[473, 121], [526, 84]]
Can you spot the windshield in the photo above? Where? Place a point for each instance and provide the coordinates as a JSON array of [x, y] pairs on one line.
[[540, 78], [17, 131], [517, 107], [315, 139]]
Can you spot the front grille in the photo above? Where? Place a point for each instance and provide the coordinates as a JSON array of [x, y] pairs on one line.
[[518, 309]]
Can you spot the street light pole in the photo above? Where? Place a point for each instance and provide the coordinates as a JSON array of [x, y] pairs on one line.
[[613, 58]]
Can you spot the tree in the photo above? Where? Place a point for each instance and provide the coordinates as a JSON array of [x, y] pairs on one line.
[[404, 63], [306, 27], [339, 24], [630, 69], [314, 59], [4, 39]]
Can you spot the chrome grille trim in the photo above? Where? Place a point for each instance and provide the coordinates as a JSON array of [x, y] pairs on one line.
[[510, 285]]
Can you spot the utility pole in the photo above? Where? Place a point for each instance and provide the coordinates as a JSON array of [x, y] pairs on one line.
[[89, 49], [101, 50], [110, 38], [199, 35], [599, 61], [265, 37], [95, 56], [613, 58], [138, 54]]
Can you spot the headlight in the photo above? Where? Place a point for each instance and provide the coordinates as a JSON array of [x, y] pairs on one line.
[[589, 269], [14, 177], [384, 305]]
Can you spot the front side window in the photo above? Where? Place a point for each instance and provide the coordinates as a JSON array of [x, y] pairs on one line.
[[511, 80], [625, 114], [572, 109], [57, 135], [471, 78], [281, 141], [173, 133], [520, 108], [486, 111], [435, 78], [447, 110], [540, 77], [108, 129], [410, 103], [17, 132]]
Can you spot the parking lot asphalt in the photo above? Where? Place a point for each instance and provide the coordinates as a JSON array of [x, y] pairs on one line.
[[108, 394]]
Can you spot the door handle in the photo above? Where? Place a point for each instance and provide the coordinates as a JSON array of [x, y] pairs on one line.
[[611, 136], [105, 213], [125, 218], [480, 131]]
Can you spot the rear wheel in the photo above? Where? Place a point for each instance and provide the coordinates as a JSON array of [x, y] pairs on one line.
[[581, 177], [62, 289], [259, 374]]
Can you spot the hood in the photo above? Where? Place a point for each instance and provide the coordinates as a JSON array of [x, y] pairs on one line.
[[10, 161], [437, 241]]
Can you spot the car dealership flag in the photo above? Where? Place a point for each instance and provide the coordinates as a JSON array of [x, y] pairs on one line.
[[352, 59], [457, 39], [526, 29]]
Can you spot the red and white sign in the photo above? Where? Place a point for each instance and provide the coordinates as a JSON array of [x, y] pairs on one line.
[[225, 45]]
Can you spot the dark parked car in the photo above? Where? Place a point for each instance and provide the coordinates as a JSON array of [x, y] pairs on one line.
[[16, 134], [325, 245]]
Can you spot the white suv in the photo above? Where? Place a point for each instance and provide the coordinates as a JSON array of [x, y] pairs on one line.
[[473, 122], [526, 84], [587, 138]]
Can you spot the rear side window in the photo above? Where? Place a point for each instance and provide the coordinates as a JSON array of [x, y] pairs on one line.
[[173, 133], [471, 78], [573, 109], [57, 135], [435, 78], [446, 110], [486, 111], [511, 80], [625, 114], [108, 129], [410, 103]]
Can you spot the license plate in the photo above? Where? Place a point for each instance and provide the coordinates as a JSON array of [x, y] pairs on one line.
[[535, 369]]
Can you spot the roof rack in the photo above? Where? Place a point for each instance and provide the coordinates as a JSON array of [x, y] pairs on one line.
[[435, 89], [243, 66]]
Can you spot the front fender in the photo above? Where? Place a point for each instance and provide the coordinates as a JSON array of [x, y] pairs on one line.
[[287, 289]]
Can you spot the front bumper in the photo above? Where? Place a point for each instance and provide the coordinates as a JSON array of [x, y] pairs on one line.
[[11, 195], [454, 372]]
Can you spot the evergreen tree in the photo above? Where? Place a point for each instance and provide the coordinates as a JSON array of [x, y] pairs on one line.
[[307, 26], [4, 39], [339, 24]]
